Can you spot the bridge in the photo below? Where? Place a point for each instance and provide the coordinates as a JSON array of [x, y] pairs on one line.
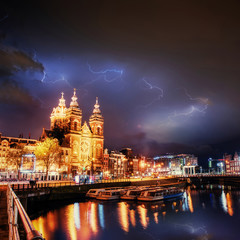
[[220, 179]]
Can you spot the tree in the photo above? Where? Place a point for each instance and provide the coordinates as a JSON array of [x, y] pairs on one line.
[[14, 156], [59, 132], [48, 152]]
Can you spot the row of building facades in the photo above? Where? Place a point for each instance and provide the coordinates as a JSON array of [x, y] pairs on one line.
[[83, 153], [229, 164]]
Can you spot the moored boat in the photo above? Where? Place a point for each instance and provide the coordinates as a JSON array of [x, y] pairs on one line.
[[131, 194], [110, 194], [160, 194], [93, 193]]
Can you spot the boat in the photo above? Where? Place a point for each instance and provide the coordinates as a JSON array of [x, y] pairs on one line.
[[160, 194], [93, 193], [133, 193], [110, 194]]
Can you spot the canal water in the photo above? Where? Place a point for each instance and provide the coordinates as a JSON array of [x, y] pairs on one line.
[[200, 214]]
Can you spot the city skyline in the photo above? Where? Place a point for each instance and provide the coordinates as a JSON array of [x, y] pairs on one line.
[[166, 74]]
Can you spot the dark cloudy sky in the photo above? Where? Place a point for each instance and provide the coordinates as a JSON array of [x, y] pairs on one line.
[[166, 72]]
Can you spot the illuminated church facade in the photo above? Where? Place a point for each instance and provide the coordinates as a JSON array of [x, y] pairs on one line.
[[82, 147]]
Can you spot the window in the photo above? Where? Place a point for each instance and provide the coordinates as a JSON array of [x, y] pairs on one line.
[[75, 126], [98, 131]]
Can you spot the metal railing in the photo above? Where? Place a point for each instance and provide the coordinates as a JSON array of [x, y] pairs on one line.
[[15, 208], [40, 185]]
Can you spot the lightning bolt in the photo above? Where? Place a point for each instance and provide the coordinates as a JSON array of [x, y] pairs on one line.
[[44, 76], [186, 113], [204, 102], [152, 87], [60, 79], [109, 75], [201, 107]]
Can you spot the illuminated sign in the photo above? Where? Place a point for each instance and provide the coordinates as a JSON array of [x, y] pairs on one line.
[[28, 163]]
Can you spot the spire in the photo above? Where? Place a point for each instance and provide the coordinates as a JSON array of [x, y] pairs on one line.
[[62, 101], [96, 107], [74, 102]]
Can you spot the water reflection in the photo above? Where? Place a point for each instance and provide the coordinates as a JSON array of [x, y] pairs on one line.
[[190, 204], [156, 217], [76, 215], [92, 219], [123, 216], [142, 211], [229, 204], [39, 225], [92, 214], [70, 222], [133, 217], [187, 201], [101, 215], [226, 203]]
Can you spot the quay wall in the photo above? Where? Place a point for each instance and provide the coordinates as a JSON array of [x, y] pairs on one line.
[[40, 199], [77, 192]]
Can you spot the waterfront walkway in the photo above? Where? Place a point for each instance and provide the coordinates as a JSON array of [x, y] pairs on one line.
[[4, 231]]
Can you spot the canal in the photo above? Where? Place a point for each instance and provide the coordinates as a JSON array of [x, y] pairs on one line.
[[201, 214]]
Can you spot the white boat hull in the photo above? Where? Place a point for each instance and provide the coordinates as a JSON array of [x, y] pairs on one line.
[[105, 198]]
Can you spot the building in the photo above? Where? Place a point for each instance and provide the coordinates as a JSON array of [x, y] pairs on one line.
[[175, 164], [216, 166], [132, 164], [82, 142], [105, 164], [7, 145], [117, 164], [232, 165]]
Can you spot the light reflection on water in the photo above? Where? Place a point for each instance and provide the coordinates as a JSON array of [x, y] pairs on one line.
[[122, 220]]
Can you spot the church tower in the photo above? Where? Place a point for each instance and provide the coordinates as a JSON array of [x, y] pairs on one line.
[[74, 115], [96, 123], [58, 115]]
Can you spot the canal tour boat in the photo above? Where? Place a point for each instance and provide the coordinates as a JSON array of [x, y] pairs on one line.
[[110, 194], [133, 193], [160, 194], [93, 193]]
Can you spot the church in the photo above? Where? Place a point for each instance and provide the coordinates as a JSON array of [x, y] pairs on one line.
[[82, 145]]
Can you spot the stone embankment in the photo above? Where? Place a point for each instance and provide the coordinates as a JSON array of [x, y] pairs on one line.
[[76, 191]]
